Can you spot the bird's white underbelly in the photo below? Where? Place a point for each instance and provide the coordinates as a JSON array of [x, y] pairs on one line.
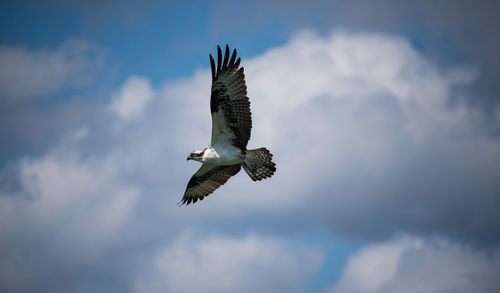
[[227, 155]]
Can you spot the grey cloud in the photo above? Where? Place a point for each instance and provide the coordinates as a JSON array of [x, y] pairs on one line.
[[222, 264], [365, 143], [364, 140], [68, 213], [446, 31], [28, 127], [28, 74], [412, 264]]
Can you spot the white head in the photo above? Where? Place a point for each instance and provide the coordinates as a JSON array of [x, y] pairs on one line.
[[196, 155]]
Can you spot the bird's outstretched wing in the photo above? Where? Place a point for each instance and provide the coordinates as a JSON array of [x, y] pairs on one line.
[[229, 104], [207, 179]]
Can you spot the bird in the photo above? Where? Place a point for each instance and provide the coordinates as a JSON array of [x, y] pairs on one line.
[[227, 152]]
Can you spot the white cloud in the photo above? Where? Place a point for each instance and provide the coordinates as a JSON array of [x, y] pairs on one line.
[[364, 142], [352, 71], [409, 264], [224, 264], [129, 102], [67, 213], [363, 134], [28, 73]]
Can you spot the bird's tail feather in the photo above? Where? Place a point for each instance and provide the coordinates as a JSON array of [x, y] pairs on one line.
[[258, 164]]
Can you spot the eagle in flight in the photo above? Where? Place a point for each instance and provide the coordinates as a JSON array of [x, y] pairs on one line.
[[231, 125]]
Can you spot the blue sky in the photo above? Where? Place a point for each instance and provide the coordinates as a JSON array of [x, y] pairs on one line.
[[383, 119]]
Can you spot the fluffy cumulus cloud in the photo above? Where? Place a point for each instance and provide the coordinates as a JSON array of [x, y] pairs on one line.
[[26, 73], [448, 29], [129, 102], [222, 264], [364, 136], [65, 212], [366, 142], [410, 264]]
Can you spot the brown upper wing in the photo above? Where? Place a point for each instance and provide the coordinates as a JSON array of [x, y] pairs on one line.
[[207, 179], [229, 104]]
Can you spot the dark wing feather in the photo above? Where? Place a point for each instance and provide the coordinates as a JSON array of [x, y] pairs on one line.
[[229, 98], [206, 180]]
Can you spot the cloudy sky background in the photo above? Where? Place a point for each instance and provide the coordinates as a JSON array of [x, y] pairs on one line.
[[383, 119]]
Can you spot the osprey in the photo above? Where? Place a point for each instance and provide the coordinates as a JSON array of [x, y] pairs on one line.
[[231, 125]]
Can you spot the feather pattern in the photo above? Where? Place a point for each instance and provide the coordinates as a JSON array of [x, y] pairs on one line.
[[229, 98], [206, 180], [260, 165]]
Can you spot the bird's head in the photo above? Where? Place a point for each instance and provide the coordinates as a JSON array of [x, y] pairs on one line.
[[196, 155]]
